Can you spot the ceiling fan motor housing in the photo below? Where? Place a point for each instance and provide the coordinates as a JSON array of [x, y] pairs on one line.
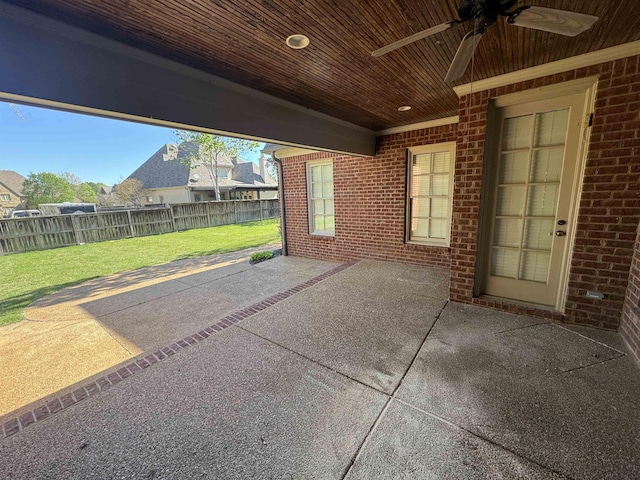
[[483, 13]]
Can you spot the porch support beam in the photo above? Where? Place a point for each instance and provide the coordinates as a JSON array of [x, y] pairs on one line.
[[47, 62]]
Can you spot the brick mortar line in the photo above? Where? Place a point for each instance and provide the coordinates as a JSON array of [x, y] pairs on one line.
[[58, 404]]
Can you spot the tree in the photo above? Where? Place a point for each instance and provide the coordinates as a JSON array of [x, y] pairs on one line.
[[130, 192], [72, 178], [270, 166], [47, 187], [85, 193], [96, 186], [106, 200], [100, 198], [211, 148]]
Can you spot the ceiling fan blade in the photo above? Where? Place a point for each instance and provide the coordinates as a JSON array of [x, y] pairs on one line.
[[552, 20], [463, 56], [414, 38]]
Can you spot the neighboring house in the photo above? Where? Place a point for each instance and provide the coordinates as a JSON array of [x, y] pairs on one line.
[[166, 179], [107, 197], [11, 197]]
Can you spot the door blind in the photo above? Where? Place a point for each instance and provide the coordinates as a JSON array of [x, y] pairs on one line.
[[532, 152]]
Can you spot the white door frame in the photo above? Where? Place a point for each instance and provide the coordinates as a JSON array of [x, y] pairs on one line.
[[587, 88]]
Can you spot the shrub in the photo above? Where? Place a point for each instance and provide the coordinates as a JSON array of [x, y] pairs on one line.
[[261, 256]]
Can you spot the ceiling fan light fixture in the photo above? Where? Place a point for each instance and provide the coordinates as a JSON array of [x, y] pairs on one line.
[[297, 41], [404, 108]]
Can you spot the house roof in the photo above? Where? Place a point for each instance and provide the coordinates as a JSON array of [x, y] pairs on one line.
[[336, 73], [167, 168], [271, 147], [12, 181]]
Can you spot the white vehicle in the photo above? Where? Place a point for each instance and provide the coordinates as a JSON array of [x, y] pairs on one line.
[[66, 208], [25, 213]]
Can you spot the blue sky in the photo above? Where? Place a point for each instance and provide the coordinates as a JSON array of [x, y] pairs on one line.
[[95, 149]]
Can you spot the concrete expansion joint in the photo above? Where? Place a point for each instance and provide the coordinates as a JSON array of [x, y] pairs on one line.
[[582, 367], [51, 407], [367, 437], [482, 438], [619, 355], [591, 339], [521, 328], [332, 370], [391, 397], [424, 340]]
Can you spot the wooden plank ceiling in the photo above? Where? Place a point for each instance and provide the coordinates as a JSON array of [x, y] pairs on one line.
[[243, 41]]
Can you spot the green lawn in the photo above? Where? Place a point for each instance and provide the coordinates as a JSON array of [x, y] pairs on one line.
[[29, 276]]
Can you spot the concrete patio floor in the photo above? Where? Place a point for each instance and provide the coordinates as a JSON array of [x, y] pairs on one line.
[[364, 371]]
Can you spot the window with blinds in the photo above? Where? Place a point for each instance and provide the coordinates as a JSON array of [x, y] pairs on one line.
[[532, 152], [320, 198], [429, 194]]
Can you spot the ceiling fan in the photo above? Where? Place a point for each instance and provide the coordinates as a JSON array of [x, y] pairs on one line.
[[484, 13]]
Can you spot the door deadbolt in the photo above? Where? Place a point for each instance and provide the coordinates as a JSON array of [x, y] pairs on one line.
[[560, 233], [561, 222]]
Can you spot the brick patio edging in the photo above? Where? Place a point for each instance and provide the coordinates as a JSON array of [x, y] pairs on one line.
[[58, 404]]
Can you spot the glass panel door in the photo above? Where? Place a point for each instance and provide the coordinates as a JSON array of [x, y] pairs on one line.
[[529, 180], [533, 172]]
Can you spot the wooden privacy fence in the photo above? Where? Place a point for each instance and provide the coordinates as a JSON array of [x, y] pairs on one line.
[[40, 233]]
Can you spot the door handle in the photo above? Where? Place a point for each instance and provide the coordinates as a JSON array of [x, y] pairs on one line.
[[560, 233]]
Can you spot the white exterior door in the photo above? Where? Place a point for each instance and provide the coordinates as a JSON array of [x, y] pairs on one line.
[[535, 181]]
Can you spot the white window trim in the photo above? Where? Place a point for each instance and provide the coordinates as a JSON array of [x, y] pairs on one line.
[[436, 147], [321, 233]]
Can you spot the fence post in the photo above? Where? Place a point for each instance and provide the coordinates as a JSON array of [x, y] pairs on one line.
[[235, 211], [209, 207], [75, 230], [260, 206], [133, 231], [173, 219]]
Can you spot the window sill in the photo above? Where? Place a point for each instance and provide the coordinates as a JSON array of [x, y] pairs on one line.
[[428, 244], [329, 236]]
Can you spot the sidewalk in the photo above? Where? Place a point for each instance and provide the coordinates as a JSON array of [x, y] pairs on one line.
[[81, 331]]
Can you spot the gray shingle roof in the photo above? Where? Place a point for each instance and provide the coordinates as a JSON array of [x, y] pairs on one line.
[[166, 168], [12, 181], [271, 147]]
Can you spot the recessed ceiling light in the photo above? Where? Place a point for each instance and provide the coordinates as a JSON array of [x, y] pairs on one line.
[[404, 108], [297, 41]]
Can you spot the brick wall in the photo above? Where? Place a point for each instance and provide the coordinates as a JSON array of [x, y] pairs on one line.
[[630, 326], [369, 204], [609, 208], [370, 199], [7, 206]]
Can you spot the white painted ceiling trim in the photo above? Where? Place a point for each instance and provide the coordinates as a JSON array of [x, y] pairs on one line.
[[579, 61], [418, 126], [287, 152]]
